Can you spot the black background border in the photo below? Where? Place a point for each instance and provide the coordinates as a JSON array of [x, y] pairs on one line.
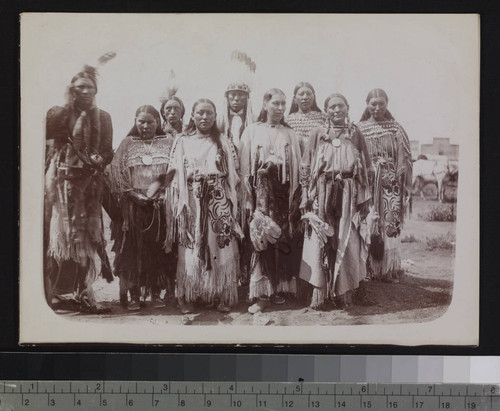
[[12, 355]]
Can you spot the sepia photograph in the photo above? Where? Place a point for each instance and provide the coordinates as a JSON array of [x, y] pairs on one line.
[[249, 179]]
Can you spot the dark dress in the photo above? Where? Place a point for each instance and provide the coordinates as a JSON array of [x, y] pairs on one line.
[[139, 235]]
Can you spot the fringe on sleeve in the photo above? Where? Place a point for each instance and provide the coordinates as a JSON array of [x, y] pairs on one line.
[[233, 183], [168, 208], [246, 201], [294, 194], [118, 175], [184, 218], [362, 164], [404, 158], [305, 167]]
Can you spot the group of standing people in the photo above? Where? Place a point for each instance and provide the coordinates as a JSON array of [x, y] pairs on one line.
[[306, 205]]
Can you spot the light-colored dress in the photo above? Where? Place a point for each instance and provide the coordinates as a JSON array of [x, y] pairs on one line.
[[204, 204], [269, 157], [303, 124], [389, 148], [334, 183]]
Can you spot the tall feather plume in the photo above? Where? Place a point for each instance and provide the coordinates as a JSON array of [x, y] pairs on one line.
[[106, 57], [241, 69], [93, 70], [244, 58], [171, 88]]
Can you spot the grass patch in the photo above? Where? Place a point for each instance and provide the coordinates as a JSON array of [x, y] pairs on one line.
[[439, 212], [410, 238], [441, 242]]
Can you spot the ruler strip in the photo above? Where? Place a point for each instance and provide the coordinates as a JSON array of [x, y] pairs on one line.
[[195, 395]]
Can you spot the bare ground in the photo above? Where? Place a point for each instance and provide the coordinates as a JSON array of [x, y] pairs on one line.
[[424, 295]]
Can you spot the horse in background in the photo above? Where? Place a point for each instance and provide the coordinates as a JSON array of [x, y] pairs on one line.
[[437, 170]]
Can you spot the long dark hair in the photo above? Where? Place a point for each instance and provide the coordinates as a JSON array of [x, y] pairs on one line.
[[146, 108], [215, 133], [295, 107], [175, 98], [191, 127], [375, 93], [89, 73], [267, 97]]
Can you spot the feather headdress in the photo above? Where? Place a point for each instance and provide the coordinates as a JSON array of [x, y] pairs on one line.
[[242, 72], [244, 58], [91, 72], [171, 88], [170, 94]]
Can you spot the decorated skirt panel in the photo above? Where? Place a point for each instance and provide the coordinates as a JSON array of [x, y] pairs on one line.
[[390, 198], [209, 192]]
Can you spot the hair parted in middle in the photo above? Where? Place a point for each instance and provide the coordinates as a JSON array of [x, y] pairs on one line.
[[191, 127], [375, 93], [295, 107], [327, 100], [268, 95], [174, 98], [335, 95], [215, 133], [146, 108]]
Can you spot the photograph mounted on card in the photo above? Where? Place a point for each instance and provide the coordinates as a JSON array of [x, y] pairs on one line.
[[229, 179]]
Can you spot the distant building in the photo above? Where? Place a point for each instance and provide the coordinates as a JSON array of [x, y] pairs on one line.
[[441, 146]]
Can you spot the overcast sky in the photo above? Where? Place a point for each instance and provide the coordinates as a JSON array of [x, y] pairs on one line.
[[428, 64]]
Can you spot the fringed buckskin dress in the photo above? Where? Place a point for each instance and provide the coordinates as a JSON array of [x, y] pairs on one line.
[[204, 205], [335, 185], [269, 167], [389, 149]]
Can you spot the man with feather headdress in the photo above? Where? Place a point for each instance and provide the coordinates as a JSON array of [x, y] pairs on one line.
[[79, 146], [236, 116], [237, 113], [172, 108]]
